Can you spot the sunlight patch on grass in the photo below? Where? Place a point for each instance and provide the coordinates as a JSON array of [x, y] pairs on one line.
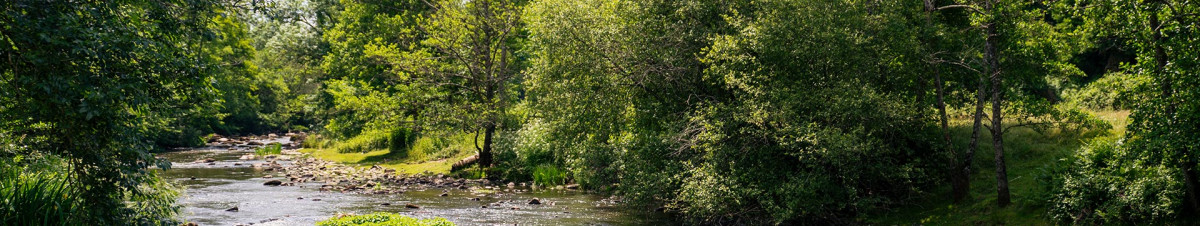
[[1029, 154], [427, 154]]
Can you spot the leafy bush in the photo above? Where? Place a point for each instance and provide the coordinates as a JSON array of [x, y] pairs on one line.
[[384, 219], [1113, 91], [1110, 183]]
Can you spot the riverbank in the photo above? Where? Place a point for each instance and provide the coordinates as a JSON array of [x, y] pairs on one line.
[[226, 183]]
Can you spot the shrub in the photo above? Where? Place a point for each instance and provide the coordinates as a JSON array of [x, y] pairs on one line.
[[1108, 182], [383, 219]]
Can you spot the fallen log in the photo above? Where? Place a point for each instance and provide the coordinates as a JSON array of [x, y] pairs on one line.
[[464, 163]]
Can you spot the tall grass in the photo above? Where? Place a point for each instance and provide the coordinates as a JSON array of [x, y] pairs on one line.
[[548, 174], [270, 149], [384, 219], [41, 198]]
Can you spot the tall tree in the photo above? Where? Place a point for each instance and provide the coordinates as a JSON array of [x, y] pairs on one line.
[[86, 76], [473, 65]]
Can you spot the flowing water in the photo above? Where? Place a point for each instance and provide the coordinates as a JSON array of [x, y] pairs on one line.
[[213, 188]]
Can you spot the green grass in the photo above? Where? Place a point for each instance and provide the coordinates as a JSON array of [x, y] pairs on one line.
[[270, 149], [548, 174], [383, 219], [1029, 155], [427, 154], [42, 198]]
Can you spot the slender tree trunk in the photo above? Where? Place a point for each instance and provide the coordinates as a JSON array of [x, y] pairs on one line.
[[992, 59], [1191, 183], [960, 182], [485, 155], [969, 157], [489, 130]]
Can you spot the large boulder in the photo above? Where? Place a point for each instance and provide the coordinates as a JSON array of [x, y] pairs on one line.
[[273, 183]]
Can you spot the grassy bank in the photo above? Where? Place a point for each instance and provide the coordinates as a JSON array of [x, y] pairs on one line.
[[433, 154], [1031, 157]]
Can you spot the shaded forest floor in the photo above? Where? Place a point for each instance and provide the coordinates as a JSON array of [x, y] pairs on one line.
[[1031, 157]]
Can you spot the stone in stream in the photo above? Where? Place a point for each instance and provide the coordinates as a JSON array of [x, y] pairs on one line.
[[411, 206], [234, 209], [273, 183], [573, 186], [385, 204], [535, 201], [444, 195]]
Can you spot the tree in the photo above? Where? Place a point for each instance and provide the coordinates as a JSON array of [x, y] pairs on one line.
[[1019, 49], [472, 64], [85, 77]]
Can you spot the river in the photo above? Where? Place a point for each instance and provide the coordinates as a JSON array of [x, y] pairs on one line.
[[212, 188]]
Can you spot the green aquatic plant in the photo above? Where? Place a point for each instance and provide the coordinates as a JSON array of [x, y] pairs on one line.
[[383, 219], [270, 149]]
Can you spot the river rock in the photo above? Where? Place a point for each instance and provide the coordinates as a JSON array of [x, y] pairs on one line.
[[411, 206], [234, 209], [573, 186], [222, 140], [535, 201], [273, 183], [444, 195], [272, 135]]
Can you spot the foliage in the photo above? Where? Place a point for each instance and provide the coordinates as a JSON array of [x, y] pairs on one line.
[[1113, 91], [1109, 183], [269, 149], [547, 174], [88, 80], [38, 198], [383, 219]]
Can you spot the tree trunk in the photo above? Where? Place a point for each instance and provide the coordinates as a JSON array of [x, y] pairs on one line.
[[968, 159], [960, 183], [485, 155], [1190, 181], [992, 58]]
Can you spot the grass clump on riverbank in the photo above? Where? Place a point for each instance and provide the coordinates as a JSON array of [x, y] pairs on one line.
[[433, 154], [270, 149], [383, 219]]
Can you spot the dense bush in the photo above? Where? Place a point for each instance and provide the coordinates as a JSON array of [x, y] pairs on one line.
[[383, 219], [1109, 183]]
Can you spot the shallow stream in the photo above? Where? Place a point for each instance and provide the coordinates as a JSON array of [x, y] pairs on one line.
[[213, 188]]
